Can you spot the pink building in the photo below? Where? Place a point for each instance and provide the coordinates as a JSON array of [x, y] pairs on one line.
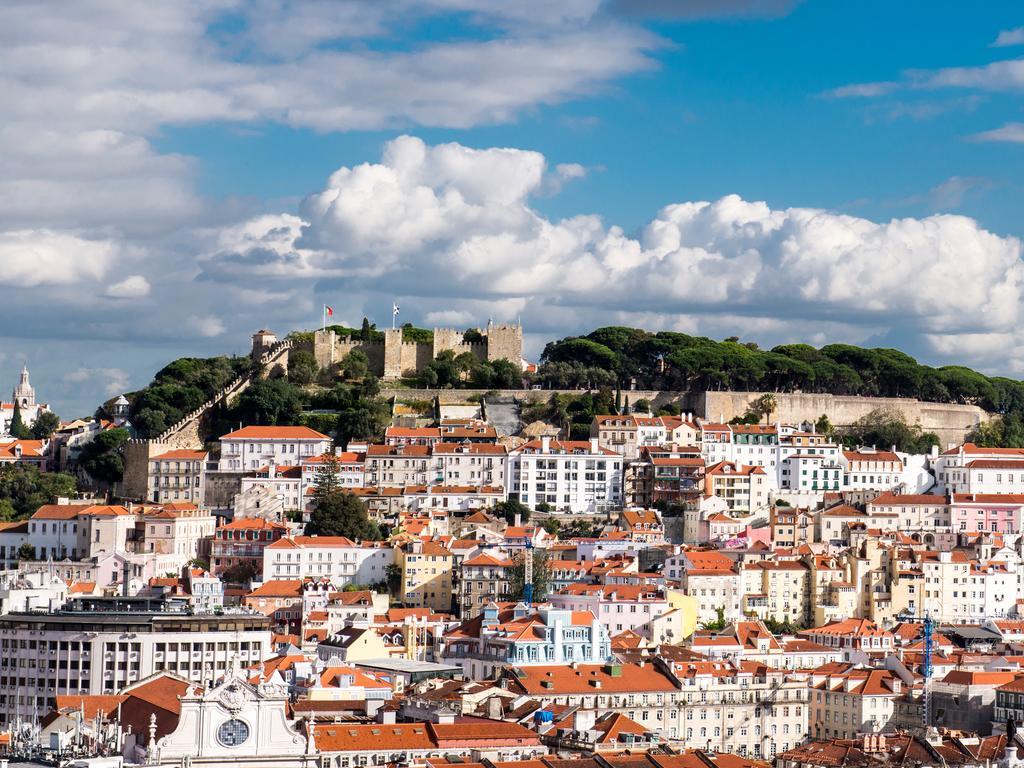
[[973, 512]]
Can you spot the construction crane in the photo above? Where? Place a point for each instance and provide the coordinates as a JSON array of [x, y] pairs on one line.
[[928, 625], [528, 573]]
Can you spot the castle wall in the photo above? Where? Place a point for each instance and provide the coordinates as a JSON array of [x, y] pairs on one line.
[[394, 358], [505, 342], [393, 353], [952, 422]]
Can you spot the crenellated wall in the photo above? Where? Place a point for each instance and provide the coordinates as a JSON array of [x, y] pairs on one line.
[[394, 358]]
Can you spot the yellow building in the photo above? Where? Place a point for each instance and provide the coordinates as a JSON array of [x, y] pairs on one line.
[[779, 590], [427, 569]]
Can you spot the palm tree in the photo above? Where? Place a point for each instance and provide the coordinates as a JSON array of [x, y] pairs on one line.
[[767, 405]]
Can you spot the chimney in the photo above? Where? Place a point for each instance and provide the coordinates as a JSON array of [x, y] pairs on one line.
[[545, 444], [593, 445]]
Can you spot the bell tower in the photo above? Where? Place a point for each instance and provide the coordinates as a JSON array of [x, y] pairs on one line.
[[24, 394]]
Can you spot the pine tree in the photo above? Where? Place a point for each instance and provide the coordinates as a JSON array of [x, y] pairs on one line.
[[18, 428], [618, 399], [365, 331]]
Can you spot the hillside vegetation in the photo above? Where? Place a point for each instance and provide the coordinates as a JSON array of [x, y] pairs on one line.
[[603, 360]]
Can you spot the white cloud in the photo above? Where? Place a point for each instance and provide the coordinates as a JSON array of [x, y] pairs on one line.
[[44, 257], [132, 287], [85, 88], [1011, 132], [206, 326], [447, 223], [112, 381], [1009, 37]]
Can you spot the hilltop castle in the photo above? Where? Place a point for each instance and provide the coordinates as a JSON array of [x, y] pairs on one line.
[[393, 358]]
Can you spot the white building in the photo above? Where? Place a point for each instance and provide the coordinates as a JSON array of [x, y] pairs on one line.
[[869, 468], [333, 557], [98, 646], [178, 475], [252, 448], [570, 476], [619, 607], [24, 396]]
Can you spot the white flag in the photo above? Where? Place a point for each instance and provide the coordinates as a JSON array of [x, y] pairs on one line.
[[394, 309]]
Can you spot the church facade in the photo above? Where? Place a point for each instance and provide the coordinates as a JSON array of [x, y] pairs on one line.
[[24, 399]]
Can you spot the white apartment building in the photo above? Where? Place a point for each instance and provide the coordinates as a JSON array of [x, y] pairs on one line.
[[469, 464], [98, 646], [395, 466], [350, 470], [951, 467], [868, 468], [848, 703], [336, 558], [79, 531], [576, 476], [177, 476], [282, 483], [252, 448]]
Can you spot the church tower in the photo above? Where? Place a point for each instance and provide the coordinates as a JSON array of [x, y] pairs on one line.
[[24, 394]]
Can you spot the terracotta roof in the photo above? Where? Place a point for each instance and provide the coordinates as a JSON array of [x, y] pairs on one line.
[[560, 680], [181, 454], [275, 433], [278, 588]]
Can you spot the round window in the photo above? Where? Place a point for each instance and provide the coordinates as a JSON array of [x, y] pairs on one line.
[[232, 733]]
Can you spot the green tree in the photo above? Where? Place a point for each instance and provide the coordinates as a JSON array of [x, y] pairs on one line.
[[342, 514], [766, 405], [24, 489], [509, 509], [26, 552], [102, 458], [17, 427], [325, 481], [240, 573], [355, 365], [718, 624], [366, 331], [362, 414], [642, 406], [45, 425], [541, 574], [302, 367], [269, 402], [393, 576]]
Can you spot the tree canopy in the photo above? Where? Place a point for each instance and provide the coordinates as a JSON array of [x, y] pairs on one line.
[[24, 489], [102, 458], [179, 388], [342, 514]]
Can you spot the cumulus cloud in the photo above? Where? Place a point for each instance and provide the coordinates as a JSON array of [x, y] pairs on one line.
[[206, 326], [132, 287], [44, 257], [449, 224]]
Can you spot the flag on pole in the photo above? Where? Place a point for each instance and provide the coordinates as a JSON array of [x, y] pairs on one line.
[[329, 311], [394, 313]]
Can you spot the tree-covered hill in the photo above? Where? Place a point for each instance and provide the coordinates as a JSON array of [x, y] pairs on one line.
[[676, 361], [180, 387]]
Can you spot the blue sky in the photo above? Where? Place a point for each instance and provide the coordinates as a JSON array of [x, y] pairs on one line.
[[732, 105], [168, 189]]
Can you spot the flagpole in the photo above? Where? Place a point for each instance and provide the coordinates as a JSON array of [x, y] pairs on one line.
[[323, 327]]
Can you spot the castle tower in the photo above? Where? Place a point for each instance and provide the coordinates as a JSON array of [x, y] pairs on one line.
[[262, 340], [24, 395]]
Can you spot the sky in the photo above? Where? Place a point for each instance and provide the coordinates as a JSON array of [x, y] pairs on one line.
[[174, 177]]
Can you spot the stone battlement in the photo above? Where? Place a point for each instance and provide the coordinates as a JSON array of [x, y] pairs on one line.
[[394, 357]]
